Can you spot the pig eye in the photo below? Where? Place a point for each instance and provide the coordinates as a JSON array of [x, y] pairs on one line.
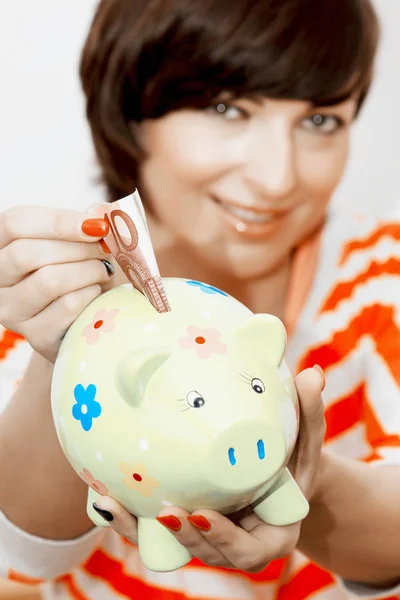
[[258, 386], [195, 400]]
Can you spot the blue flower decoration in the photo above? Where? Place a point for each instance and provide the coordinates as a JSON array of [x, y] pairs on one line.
[[207, 289], [86, 408]]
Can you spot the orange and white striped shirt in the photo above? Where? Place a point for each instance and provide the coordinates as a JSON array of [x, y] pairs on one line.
[[343, 313]]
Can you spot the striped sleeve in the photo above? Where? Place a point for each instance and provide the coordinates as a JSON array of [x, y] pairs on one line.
[[24, 557], [15, 353], [380, 320], [358, 345], [353, 326], [373, 298]]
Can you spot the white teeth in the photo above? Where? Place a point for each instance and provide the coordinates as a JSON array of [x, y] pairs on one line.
[[248, 215]]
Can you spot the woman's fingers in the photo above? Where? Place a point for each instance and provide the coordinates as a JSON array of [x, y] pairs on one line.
[[177, 521], [24, 256], [310, 384], [212, 537], [118, 518], [217, 541], [51, 268], [36, 292], [38, 222], [63, 311], [305, 459]]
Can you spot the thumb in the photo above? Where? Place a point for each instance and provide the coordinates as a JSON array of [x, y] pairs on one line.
[[309, 384]]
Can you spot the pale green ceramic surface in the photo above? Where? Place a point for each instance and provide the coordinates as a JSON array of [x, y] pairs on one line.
[[193, 408]]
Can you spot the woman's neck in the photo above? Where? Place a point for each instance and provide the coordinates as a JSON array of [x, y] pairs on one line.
[[266, 294]]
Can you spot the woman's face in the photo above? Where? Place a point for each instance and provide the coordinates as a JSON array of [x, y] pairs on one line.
[[244, 181]]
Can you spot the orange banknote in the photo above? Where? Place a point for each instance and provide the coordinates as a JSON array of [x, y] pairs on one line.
[[130, 243]]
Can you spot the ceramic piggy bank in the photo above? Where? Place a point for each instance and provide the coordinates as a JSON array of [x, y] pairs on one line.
[[194, 408]]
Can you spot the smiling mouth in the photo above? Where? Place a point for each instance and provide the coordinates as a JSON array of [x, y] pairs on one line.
[[251, 223], [249, 215], [246, 214]]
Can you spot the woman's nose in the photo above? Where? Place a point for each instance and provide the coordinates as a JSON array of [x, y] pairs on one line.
[[271, 169]]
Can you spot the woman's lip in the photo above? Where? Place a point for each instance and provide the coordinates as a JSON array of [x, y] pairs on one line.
[[255, 209], [250, 229]]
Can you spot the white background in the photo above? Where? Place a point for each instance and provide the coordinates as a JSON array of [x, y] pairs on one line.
[[45, 149]]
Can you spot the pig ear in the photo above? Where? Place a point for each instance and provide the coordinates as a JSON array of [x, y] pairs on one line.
[[264, 335], [135, 370]]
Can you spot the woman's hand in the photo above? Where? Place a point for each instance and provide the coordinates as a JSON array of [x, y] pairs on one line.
[[50, 269], [243, 541]]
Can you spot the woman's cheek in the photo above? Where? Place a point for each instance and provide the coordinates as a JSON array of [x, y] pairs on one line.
[[193, 146], [324, 170]]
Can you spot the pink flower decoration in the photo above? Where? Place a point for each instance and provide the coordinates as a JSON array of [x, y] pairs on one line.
[[204, 341], [103, 322], [93, 483]]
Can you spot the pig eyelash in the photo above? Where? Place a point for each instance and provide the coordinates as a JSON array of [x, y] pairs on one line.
[[184, 401], [245, 377]]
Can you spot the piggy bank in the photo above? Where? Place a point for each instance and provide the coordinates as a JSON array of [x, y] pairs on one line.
[[194, 408]]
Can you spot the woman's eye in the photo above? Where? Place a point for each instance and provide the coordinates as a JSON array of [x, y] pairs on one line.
[[195, 400], [228, 111], [258, 386], [322, 124]]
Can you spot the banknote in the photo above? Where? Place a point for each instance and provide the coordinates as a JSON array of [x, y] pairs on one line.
[[130, 243]]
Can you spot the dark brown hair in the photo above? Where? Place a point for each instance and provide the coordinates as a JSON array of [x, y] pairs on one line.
[[144, 58]]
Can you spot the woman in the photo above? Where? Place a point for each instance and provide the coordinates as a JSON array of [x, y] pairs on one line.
[[233, 119]]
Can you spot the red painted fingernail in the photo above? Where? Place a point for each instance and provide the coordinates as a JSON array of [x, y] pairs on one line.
[[104, 247], [171, 522], [322, 374], [95, 227], [199, 522]]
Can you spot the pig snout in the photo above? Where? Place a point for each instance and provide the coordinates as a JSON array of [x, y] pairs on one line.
[[245, 455]]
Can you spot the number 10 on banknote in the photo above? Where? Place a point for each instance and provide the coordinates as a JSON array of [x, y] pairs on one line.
[[130, 244]]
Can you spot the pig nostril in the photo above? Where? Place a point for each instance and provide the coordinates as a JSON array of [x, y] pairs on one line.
[[231, 454], [261, 449]]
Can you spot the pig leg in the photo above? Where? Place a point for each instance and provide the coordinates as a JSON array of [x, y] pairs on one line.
[[159, 549], [284, 503], [92, 514]]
